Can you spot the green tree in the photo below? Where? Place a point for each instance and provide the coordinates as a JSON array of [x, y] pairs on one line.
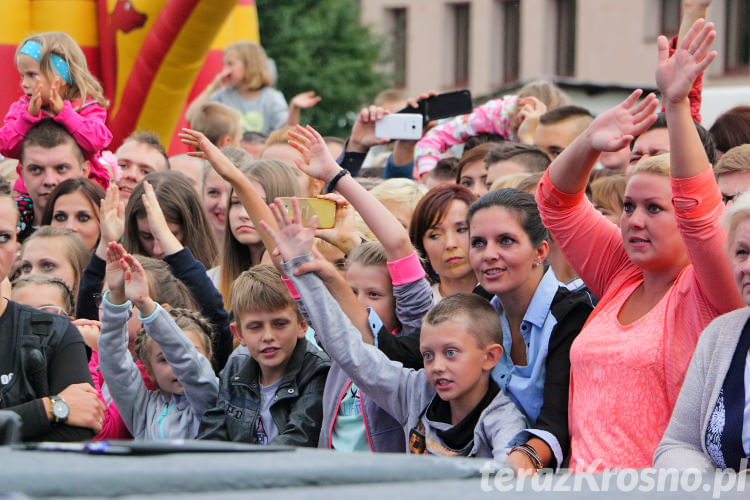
[[320, 45]]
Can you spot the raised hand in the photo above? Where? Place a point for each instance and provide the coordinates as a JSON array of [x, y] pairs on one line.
[[616, 127], [343, 234], [115, 273], [318, 160], [86, 409], [136, 285], [292, 239], [529, 111], [323, 268], [305, 100], [206, 150], [363, 130], [36, 102], [675, 75], [111, 219], [55, 101], [158, 223]]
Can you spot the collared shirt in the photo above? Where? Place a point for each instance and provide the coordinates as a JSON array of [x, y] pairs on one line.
[[525, 384]]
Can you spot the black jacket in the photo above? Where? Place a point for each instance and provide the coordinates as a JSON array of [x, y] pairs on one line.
[[297, 411]]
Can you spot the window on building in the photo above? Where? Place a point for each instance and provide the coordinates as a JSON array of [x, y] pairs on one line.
[[397, 23], [565, 38], [737, 48], [460, 17], [511, 48], [669, 17]]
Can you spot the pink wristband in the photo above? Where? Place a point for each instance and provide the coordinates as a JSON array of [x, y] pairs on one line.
[[406, 270], [290, 286]]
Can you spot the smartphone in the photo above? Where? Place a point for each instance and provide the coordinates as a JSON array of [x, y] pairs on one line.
[[400, 126], [324, 209], [443, 105]]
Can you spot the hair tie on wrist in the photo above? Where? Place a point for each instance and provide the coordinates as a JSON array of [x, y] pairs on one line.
[[336, 179]]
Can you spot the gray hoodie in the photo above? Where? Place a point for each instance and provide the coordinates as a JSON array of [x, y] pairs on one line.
[[146, 413], [404, 393]]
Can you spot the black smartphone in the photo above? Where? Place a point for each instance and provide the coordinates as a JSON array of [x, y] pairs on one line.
[[443, 105]]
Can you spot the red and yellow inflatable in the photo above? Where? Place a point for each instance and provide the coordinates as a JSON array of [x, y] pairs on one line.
[[152, 56]]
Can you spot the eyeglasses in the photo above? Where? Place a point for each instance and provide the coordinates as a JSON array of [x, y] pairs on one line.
[[53, 309]]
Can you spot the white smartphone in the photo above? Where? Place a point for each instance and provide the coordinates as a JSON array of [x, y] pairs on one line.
[[406, 126]]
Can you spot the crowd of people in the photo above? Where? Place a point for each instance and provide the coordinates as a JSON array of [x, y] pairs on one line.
[[528, 282]]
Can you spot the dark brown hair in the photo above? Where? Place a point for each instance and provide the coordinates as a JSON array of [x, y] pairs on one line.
[[90, 189], [181, 205], [430, 210]]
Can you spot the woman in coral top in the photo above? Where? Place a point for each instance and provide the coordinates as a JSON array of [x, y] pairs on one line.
[[662, 277]]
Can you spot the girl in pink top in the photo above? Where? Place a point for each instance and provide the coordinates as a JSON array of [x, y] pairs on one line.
[[661, 281], [56, 84]]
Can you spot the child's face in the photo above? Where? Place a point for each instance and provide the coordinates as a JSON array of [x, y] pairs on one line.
[[234, 69], [240, 223], [373, 287], [161, 372], [454, 363], [151, 245], [43, 256], [40, 296], [215, 200], [271, 338], [30, 69], [75, 212]]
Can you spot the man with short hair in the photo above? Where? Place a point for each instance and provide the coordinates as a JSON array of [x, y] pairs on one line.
[[139, 155], [558, 128], [49, 155]]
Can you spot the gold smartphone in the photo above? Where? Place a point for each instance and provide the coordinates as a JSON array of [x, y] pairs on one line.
[[324, 209]]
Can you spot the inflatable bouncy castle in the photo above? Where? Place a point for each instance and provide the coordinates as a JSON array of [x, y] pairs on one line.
[[152, 56]]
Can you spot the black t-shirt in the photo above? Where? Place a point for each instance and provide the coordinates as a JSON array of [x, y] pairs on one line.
[[67, 365]]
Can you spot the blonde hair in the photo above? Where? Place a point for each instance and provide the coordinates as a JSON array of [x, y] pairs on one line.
[[253, 57], [71, 247], [609, 192], [735, 213], [260, 289], [656, 165], [524, 181], [399, 190], [83, 85], [279, 136], [547, 92], [734, 161], [216, 121]]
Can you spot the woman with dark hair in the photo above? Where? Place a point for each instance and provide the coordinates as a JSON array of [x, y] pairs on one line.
[[731, 129], [74, 205], [440, 234], [184, 213], [540, 318], [51, 389]]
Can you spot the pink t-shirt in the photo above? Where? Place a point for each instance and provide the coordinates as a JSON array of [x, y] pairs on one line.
[[624, 380]]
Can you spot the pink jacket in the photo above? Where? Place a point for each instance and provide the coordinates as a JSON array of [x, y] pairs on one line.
[[493, 117], [85, 123]]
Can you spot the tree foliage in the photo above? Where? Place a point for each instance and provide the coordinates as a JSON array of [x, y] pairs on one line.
[[320, 45]]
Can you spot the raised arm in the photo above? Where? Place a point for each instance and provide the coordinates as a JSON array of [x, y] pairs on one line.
[[254, 204], [321, 165], [610, 131], [674, 77]]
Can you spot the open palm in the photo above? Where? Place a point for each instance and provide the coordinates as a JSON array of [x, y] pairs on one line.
[[318, 160], [293, 239], [615, 128]]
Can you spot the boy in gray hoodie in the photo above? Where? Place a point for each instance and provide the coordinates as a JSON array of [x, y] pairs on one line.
[[452, 406]]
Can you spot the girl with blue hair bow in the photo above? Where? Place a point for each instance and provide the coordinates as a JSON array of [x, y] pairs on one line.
[[57, 84]]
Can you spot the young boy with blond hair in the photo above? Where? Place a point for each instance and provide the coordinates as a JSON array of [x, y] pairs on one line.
[[452, 406], [219, 123], [274, 395]]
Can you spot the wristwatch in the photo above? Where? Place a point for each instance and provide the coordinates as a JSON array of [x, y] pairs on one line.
[[60, 409]]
